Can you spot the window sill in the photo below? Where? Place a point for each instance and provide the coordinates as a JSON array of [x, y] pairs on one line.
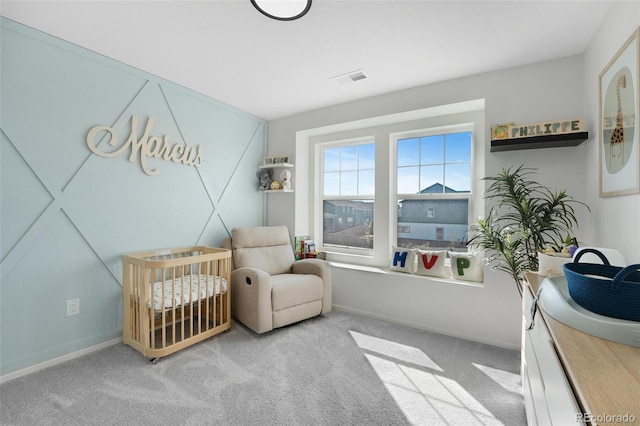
[[386, 271]]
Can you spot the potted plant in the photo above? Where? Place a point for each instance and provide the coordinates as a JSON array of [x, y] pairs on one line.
[[525, 218]]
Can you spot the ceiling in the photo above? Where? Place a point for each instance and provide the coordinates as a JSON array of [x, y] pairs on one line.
[[229, 51]]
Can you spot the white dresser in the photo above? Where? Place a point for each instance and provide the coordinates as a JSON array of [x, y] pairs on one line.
[[570, 377], [548, 397]]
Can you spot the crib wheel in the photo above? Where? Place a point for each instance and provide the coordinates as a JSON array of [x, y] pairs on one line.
[[155, 360]]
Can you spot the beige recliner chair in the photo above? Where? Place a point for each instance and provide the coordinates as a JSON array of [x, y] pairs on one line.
[[269, 288]]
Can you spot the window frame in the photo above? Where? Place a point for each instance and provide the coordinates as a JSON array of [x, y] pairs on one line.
[[319, 148], [307, 214], [393, 154]]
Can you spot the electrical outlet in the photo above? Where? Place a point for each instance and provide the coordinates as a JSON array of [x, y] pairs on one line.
[[73, 307]]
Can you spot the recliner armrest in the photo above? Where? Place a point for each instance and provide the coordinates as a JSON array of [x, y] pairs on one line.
[[322, 269], [251, 298], [317, 267]]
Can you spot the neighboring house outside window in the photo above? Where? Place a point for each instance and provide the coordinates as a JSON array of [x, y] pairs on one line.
[[433, 188], [348, 186]]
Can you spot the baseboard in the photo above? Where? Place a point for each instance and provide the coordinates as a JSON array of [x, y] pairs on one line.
[[500, 344], [59, 360]]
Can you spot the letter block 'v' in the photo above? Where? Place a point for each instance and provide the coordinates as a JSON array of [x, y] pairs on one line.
[[429, 263]]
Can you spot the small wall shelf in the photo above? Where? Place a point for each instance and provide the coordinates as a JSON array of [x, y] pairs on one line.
[[276, 166], [535, 142], [277, 190]]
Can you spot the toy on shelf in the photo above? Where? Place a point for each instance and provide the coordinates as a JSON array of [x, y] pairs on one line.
[[285, 179], [265, 177], [279, 174]]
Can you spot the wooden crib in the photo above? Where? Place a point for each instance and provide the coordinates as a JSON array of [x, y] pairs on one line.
[[174, 298]]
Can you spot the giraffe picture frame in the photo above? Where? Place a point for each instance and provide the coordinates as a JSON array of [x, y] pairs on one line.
[[619, 107]]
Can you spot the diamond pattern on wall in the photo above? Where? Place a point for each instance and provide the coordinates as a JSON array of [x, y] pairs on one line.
[[142, 211], [24, 197], [34, 297], [68, 215], [52, 94]]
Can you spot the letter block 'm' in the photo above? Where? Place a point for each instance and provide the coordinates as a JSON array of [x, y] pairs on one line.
[[400, 257]]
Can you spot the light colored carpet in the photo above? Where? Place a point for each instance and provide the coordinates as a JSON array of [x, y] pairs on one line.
[[337, 369]]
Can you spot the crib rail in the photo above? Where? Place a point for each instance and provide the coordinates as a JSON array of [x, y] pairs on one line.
[[174, 298]]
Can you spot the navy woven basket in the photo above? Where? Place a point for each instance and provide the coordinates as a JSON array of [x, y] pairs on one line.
[[605, 289]]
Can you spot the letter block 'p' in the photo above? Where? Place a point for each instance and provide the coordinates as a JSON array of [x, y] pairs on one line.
[[462, 264]]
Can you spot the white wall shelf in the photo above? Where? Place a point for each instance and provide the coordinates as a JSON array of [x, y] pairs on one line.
[[276, 166], [277, 190], [276, 176]]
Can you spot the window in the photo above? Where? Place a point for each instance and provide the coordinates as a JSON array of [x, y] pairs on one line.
[[348, 189], [401, 179], [433, 186]]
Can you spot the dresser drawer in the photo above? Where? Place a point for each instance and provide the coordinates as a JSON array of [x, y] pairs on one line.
[[537, 399], [552, 398]]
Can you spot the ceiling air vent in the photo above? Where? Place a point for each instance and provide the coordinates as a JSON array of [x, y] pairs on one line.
[[349, 77]]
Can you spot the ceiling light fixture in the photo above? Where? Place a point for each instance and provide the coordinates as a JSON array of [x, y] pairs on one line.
[[283, 10]]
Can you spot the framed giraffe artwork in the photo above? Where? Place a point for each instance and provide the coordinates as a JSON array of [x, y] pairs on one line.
[[619, 104]]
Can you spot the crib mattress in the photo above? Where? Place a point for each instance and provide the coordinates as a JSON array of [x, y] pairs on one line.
[[205, 283]]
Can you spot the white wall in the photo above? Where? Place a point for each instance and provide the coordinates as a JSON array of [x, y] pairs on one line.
[[549, 90], [538, 92], [615, 220], [559, 89]]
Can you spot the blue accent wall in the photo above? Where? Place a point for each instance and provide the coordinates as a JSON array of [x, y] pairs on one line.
[[67, 215]]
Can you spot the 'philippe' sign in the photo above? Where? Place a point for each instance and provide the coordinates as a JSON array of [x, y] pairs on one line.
[[546, 128], [147, 146]]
